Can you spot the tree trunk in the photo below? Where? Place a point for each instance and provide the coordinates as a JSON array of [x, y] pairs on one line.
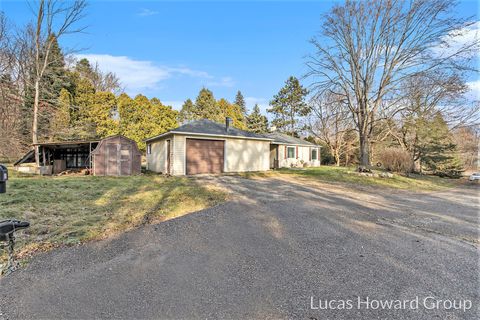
[[364, 150], [35, 121]]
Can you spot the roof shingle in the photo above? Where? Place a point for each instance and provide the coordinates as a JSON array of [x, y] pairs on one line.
[[210, 127], [285, 139]]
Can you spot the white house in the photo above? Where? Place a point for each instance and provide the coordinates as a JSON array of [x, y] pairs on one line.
[[205, 146]]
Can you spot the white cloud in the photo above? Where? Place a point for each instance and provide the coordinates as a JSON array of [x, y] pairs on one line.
[[222, 82], [176, 104], [144, 12], [262, 104], [190, 72], [140, 75], [474, 89], [454, 41]]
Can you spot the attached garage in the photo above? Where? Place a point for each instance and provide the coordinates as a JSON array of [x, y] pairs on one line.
[[205, 146], [204, 156]]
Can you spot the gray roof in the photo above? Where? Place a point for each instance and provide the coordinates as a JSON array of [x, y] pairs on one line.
[[281, 138], [209, 127]]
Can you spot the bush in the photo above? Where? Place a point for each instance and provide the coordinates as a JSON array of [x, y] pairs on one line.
[[396, 160]]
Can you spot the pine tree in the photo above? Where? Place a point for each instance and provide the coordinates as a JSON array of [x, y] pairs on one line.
[[288, 105], [100, 113], [84, 68], [257, 122], [240, 102], [83, 98], [226, 109], [141, 118], [438, 153], [205, 105], [61, 121], [54, 79], [187, 112]]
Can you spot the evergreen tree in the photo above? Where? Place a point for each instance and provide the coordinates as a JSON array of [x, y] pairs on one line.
[[55, 78], [226, 109], [61, 121], [100, 114], [141, 118], [240, 102], [205, 105], [256, 121], [438, 153], [83, 99], [288, 105], [187, 111]]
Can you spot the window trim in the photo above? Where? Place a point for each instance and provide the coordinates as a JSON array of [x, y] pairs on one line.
[[288, 155], [149, 148], [316, 154]]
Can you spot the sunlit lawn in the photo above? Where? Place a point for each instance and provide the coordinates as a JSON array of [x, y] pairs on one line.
[[343, 175], [72, 209]]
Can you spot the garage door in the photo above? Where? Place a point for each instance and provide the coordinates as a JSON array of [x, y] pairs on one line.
[[204, 156]]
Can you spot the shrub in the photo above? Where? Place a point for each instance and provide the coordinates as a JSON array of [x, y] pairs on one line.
[[396, 160]]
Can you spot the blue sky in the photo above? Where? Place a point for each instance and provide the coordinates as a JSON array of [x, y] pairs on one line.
[[171, 50]]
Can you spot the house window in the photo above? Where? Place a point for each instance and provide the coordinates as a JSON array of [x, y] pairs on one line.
[[291, 152], [314, 154], [149, 149]]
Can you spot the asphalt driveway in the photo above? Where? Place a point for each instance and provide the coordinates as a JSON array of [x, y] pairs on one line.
[[279, 249]]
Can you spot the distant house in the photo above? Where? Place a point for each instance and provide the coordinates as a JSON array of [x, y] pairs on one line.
[[205, 146]]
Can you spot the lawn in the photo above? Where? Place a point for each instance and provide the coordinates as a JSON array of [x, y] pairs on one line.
[[343, 175], [68, 210]]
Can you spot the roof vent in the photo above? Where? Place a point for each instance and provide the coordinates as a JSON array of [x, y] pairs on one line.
[[228, 123]]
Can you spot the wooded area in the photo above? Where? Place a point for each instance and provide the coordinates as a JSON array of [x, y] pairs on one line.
[[384, 85]]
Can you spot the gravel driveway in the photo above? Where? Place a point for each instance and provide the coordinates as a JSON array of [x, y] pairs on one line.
[[278, 249]]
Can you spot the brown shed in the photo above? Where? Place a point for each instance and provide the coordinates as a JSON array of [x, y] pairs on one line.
[[116, 156]]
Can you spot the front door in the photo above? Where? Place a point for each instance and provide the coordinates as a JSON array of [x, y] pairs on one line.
[[274, 156], [112, 164]]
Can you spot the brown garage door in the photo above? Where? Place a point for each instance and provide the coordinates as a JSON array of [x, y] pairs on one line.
[[204, 156]]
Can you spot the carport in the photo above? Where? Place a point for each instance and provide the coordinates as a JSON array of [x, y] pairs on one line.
[[59, 156]]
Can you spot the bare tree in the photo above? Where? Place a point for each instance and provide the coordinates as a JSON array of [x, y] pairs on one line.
[[367, 48], [467, 139], [106, 81], [54, 19], [330, 122], [10, 97], [423, 95]]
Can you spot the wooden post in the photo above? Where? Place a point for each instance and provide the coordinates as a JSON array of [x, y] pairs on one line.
[[43, 156]]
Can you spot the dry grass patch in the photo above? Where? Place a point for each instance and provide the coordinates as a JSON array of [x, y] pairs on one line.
[[347, 176], [70, 210]]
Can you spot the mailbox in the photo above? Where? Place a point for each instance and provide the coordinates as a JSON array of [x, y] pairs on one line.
[[7, 234], [3, 178]]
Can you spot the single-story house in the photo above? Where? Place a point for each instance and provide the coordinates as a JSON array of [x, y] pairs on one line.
[[205, 146], [111, 156]]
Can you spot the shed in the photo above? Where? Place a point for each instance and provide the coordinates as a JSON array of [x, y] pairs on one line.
[[116, 156]]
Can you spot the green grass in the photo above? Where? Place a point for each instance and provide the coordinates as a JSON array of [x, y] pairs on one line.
[[342, 175], [68, 210]]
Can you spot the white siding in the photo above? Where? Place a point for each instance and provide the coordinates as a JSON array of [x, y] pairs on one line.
[[178, 155], [303, 155], [246, 155], [156, 160], [240, 155]]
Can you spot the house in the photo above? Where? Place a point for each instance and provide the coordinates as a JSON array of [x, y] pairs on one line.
[[205, 146], [287, 151], [115, 155]]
